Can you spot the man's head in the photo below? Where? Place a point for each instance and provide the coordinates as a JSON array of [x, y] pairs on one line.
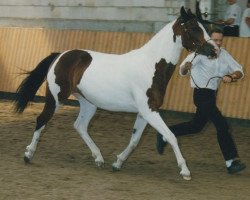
[[231, 2], [217, 36]]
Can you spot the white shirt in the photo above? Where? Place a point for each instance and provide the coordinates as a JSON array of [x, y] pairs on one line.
[[234, 11], [204, 68], [244, 28]]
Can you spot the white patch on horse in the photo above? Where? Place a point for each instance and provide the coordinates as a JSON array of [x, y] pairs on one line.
[[51, 78], [30, 149]]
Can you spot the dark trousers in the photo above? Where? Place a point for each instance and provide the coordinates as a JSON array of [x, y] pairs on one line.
[[231, 31], [206, 109]]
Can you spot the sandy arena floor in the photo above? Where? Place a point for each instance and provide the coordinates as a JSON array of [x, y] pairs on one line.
[[63, 167]]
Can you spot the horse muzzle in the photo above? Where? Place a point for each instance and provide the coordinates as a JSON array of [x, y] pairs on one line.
[[208, 50]]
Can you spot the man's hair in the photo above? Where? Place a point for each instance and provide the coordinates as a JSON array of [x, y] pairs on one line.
[[215, 30]]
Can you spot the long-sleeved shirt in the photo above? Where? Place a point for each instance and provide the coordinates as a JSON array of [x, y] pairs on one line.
[[203, 69], [234, 11], [244, 28]]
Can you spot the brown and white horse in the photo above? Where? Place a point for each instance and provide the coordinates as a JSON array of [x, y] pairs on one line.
[[133, 82]]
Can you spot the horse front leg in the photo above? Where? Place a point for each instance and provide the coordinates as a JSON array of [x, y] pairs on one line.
[[156, 121], [138, 128]]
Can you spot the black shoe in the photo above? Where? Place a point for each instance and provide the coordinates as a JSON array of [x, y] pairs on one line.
[[236, 167], [160, 143]]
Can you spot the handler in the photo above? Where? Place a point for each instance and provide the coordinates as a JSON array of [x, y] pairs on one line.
[[205, 79]]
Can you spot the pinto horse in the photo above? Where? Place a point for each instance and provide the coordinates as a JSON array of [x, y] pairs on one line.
[[132, 82]]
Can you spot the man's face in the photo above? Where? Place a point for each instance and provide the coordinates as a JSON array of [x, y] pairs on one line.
[[217, 38], [231, 1]]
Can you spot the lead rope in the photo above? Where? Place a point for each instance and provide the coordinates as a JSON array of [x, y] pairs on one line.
[[219, 77]]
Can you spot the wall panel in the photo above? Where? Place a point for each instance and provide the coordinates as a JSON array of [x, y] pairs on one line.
[[22, 48]]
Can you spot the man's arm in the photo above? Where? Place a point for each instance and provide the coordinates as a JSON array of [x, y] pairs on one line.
[[232, 77], [235, 69], [236, 12], [230, 21], [185, 67], [237, 75]]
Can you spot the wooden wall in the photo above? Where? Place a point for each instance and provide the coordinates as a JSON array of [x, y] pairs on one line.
[[22, 48]]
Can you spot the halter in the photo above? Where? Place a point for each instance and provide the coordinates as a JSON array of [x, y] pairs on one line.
[[197, 45]]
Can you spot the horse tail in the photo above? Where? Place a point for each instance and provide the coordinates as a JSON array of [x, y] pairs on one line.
[[29, 86]]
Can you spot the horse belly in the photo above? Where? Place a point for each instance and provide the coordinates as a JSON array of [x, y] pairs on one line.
[[107, 93], [109, 100]]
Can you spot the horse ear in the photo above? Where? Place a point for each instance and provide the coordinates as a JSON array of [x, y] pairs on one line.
[[190, 14], [184, 14]]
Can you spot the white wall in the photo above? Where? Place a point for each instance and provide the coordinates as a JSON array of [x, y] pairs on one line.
[[114, 15], [108, 15]]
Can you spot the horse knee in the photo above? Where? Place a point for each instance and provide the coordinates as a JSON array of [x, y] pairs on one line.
[[134, 143], [76, 124], [43, 119], [80, 125], [171, 139]]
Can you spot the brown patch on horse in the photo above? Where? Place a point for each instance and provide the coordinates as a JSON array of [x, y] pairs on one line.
[[162, 75], [48, 110], [69, 70]]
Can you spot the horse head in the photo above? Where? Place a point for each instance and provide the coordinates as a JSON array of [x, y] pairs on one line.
[[193, 35]]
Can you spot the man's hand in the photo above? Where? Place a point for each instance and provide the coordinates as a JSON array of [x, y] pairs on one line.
[[227, 79], [187, 66], [220, 21], [232, 77], [229, 21]]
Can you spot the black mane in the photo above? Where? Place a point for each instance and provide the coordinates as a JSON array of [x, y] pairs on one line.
[[186, 16]]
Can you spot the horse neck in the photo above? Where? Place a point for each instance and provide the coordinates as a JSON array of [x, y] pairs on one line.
[[162, 45]]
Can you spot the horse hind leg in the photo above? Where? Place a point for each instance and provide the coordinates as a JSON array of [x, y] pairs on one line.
[[87, 111], [139, 126], [42, 120]]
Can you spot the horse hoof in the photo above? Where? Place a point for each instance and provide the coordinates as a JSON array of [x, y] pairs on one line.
[[187, 178], [26, 159], [116, 169], [99, 164]]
